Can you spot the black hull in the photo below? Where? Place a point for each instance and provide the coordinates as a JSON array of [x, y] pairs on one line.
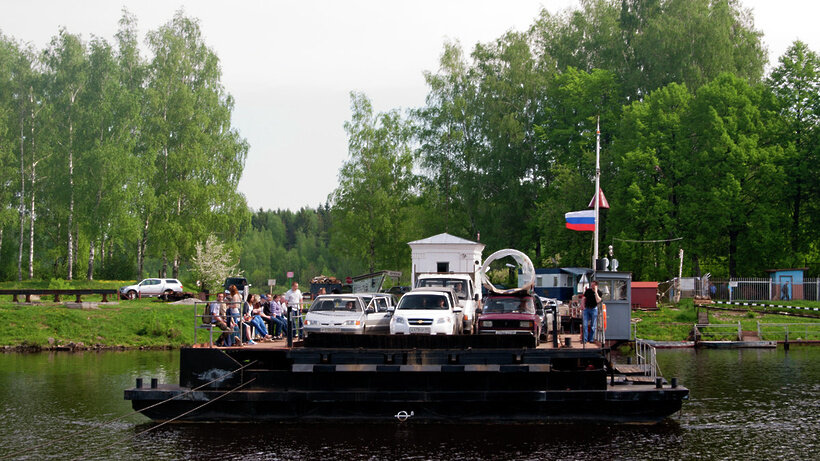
[[384, 378], [611, 406]]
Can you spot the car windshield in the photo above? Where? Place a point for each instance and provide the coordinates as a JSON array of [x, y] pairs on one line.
[[458, 285], [509, 305], [431, 302], [335, 305]]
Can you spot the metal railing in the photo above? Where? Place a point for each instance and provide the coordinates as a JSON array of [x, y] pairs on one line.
[[646, 357], [702, 330], [789, 331]]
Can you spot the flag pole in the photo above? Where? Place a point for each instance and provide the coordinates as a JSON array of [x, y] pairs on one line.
[[597, 190]]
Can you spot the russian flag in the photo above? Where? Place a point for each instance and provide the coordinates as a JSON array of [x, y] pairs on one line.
[[581, 220]]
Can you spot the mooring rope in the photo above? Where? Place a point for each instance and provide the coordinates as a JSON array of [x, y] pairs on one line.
[[131, 437], [95, 426]]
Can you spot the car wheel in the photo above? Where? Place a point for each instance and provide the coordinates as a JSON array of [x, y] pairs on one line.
[[132, 294]]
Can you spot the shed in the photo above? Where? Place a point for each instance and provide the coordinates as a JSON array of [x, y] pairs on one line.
[[787, 284], [645, 295], [559, 283], [445, 253]]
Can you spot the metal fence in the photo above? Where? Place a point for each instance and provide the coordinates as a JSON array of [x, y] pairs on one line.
[[807, 331], [741, 288]]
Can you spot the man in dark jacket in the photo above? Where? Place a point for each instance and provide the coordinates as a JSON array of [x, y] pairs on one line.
[[591, 299]]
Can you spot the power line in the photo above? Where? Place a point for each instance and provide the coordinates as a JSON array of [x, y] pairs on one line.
[[648, 241]]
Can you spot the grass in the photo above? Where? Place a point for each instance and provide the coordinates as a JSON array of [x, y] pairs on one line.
[[131, 324], [675, 322]]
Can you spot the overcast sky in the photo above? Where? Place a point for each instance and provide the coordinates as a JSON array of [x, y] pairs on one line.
[[291, 65]]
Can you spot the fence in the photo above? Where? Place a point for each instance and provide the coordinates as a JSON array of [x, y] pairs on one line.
[[743, 288], [646, 357], [718, 332], [806, 331]]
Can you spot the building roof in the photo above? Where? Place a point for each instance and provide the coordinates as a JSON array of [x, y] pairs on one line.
[[577, 270], [644, 284], [444, 239], [792, 269]]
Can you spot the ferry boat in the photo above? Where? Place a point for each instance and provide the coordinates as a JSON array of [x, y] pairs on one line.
[[412, 378]]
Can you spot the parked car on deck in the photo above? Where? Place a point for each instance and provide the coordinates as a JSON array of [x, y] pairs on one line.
[[151, 288], [356, 313], [510, 315], [427, 311]]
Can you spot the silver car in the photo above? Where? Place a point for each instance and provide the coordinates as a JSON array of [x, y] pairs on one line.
[[348, 313]]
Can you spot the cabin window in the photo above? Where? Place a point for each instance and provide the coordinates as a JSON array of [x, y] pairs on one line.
[[555, 281], [539, 281], [443, 267]]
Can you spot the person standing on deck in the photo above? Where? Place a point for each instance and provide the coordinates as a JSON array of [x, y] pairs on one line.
[[294, 300], [591, 299]]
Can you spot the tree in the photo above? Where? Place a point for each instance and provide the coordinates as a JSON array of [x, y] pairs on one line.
[[212, 263], [375, 184], [795, 83], [199, 157]]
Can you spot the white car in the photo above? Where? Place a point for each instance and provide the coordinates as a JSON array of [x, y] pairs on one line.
[[151, 287], [426, 312], [467, 297], [355, 313]]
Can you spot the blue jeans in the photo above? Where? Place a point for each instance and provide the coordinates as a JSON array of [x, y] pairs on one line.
[[259, 324], [277, 325], [590, 319]]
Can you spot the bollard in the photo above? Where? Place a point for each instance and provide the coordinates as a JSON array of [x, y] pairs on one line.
[[139, 383], [154, 383], [674, 383], [786, 343], [290, 329], [568, 342], [658, 383]]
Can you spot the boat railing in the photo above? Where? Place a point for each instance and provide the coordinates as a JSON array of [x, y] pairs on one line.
[[646, 358], [718, 331], [810, 331], [202, 320]]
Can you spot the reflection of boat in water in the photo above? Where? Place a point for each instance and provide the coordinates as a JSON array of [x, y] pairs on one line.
[[480, 378]]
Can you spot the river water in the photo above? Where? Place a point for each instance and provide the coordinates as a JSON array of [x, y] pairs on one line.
[[744, 404]]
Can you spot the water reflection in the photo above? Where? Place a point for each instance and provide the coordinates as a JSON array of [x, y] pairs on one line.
[[752, 404]]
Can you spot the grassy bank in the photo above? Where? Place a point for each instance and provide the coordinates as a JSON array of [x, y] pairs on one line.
[[138, 323], [674, 323]]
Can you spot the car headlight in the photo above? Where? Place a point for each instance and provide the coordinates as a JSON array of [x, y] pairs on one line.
[[352, 322], [310, 322], [398, 319], [444, 320], [486, 323], [525, 324]]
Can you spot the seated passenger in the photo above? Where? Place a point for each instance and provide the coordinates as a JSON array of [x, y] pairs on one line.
[[217, 313]]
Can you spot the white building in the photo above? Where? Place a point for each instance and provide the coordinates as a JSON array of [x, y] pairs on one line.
[[445, 253]]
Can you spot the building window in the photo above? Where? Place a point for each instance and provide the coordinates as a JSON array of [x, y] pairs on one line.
[[555, 281], [443, 267], [539, 281]]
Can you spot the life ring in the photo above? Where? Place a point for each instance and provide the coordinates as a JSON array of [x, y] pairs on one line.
[[603, 311]]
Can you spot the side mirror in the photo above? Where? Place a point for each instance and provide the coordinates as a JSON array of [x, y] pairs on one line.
[[479, 311], [475, 297]]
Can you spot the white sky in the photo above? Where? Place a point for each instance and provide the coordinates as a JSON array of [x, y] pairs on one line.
[[290, 65]]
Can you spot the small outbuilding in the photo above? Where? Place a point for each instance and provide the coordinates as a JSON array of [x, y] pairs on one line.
[[645, 295], [787, 284], [445, 253]]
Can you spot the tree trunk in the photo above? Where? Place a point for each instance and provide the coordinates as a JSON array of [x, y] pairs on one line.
[[31, 230], [22, 203], [90, 275], [164, 271], [176, 266], [71, 196], [1, 238], [141, 249]]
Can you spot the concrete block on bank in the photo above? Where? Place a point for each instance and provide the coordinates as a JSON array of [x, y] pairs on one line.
[[82, 305]]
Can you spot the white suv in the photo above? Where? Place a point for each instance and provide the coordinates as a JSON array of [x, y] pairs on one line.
[[151, 287], [426, 312], [467, 298]]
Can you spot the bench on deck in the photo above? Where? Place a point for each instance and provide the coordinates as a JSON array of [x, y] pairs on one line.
[[57, 293]]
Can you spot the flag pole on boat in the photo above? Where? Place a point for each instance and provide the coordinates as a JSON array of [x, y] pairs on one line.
[[597, 190]]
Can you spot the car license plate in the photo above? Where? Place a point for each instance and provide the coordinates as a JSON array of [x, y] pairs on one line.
[[331, 330], [505, 332], [420, 330]]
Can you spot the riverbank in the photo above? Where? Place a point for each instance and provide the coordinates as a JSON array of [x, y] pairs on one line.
[[137, 324]]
